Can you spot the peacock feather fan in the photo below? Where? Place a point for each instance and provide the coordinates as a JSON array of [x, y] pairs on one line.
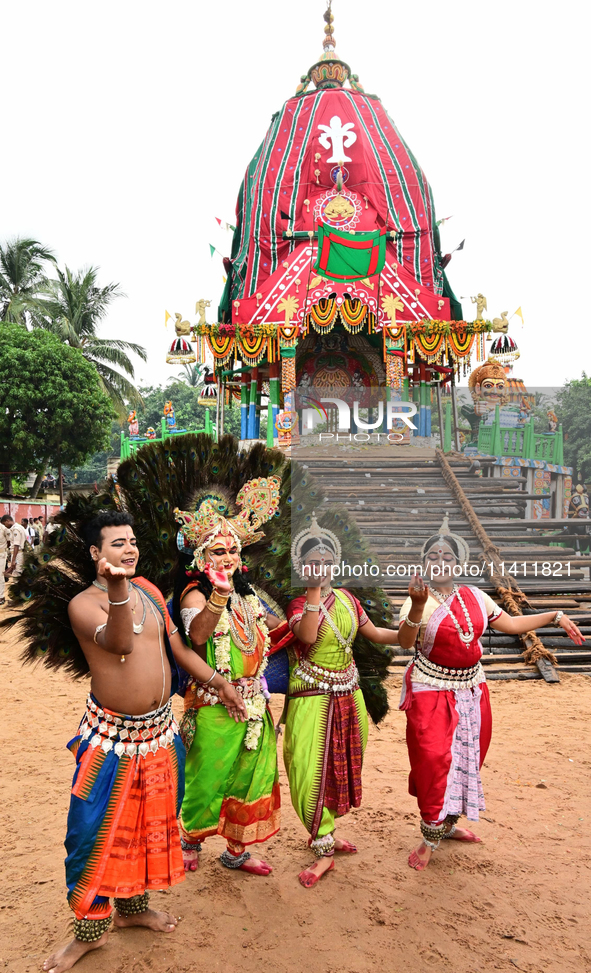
[[177, 473]]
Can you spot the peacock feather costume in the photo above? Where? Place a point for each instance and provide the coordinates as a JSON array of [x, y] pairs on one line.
[[159, 479]]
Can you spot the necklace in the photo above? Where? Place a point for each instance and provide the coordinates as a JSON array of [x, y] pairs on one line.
[[248, 615], [468, 636], [345, 643], [137, 629]]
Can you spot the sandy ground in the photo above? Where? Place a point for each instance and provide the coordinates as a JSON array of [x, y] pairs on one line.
[[519, 901]]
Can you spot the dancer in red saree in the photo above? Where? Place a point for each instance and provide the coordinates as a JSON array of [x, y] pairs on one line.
[[445, 696]]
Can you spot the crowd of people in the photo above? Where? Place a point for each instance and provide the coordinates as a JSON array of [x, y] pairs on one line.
[[147, 793], [15, 539]]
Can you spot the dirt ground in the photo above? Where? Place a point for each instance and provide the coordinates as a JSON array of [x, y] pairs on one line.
[[519, 901]]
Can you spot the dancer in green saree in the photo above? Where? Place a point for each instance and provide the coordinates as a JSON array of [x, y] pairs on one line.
[[326, 726], [231, 767]]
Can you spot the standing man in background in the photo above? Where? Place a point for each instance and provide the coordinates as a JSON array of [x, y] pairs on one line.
[[4, 541], [18, 539]]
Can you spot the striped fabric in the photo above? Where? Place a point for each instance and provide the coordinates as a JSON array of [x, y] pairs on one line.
[[292, 167]]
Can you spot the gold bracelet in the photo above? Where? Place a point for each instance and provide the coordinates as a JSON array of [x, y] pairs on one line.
[[214, 609], [218, 603]]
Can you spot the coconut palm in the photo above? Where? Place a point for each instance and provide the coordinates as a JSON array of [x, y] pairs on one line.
[[73, 307], [22, 276], [193, 376]]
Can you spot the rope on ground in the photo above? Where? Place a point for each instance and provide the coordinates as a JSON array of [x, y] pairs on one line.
[[510, 594]]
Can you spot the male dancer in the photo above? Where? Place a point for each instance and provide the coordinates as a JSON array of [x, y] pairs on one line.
[[122, 837]]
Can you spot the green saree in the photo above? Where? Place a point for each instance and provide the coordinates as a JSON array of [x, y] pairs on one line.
[[326, 726]]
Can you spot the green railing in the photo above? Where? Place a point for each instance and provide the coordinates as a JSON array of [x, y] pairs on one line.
[[130, 446], [523, 442]]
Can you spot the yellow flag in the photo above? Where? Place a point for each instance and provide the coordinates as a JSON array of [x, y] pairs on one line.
[[224, 279], [520, 313], [167, 318]]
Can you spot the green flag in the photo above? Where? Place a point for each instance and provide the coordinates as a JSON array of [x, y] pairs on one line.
[[349, 256], [211, 249]]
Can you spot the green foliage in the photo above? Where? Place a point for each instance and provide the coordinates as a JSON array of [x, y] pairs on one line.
[[189, 414], [51, 403], [94, 469], [22, 276], [574, 412], [73, 307]]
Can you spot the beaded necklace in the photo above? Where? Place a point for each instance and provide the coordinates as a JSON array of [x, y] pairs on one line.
[[468, 636]]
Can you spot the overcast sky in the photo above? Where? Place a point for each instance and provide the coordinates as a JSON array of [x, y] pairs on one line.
[[127, 127]]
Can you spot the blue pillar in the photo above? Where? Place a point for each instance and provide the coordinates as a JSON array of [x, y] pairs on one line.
[[252, 405], [244, 406]]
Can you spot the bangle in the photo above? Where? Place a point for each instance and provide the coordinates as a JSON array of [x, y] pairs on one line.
[[213, 675], [220, 604], [411, 624], [215, 609], [174, 631], [311, 608], [98, 630], [557, 618], [119, 602]]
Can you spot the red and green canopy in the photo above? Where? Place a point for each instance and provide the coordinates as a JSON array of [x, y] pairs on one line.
[[347, 256]]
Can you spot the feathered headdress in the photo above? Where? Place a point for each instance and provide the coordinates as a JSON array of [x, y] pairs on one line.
[[258, 500]]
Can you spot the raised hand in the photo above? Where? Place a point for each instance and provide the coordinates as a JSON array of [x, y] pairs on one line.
[[108, 572], [218, 578], [418, 591], [574, 633]]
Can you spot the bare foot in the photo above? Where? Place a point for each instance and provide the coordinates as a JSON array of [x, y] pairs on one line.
[[462, 834], [256, 867], [314, 872], [191, 860], [345, 847], [420, 857], [64, 958], [150, 919]]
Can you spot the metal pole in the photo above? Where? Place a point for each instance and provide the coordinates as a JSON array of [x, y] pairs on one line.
[[61, 483], [440, 413], [217, 413], [454, 406], [222, 407]]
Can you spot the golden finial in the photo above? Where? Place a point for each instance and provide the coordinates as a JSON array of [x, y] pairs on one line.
[[329, 41]]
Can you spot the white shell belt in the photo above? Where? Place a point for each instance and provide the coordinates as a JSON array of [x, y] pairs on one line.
[[444, 677], [247, 687], [329, 680], [128, 736]]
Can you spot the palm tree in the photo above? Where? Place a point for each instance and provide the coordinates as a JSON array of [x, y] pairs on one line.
[[73, 307], [22, 276], [193, 375]]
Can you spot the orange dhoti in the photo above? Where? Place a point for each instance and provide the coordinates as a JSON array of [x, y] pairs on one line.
[[123, 837]]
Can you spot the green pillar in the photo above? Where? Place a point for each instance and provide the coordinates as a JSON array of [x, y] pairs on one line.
[[559, 447], [447, 434], [208, 422], [497, 446], [163, 428]]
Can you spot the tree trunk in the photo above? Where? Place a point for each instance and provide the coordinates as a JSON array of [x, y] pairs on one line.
[[38, 478]]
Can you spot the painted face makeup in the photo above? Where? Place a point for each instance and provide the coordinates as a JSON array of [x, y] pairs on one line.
[[223, 554], [119, 546], [440, 561]]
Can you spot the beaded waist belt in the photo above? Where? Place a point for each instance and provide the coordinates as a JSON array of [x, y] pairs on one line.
[[128, 735], [323, 680], [444, 677], [248, 687]]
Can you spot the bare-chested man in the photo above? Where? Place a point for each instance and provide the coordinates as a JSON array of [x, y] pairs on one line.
[[123, 835]]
